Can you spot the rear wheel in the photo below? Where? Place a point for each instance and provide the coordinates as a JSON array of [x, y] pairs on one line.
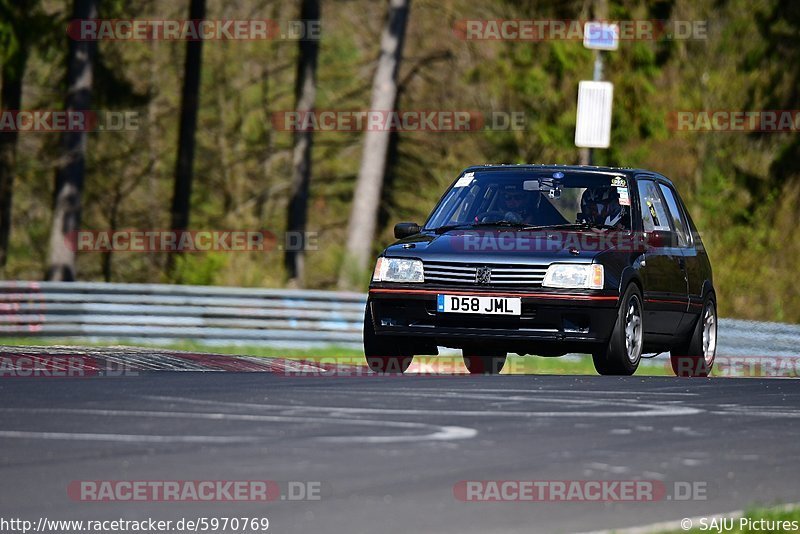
[[695, 356], [483, 362], [624, 350], [384, 354]]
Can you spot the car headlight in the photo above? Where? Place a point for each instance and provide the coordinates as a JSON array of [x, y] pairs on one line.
[[398, 270], [584, 276]]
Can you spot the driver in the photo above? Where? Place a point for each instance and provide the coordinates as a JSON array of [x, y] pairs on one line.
[[515, 203], [600, 205]]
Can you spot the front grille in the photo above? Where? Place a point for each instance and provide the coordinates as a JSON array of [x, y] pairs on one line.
[[466, 274]]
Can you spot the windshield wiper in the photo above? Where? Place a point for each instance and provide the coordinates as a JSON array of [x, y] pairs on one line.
[[448, 227], [508, 224], [568, 226]]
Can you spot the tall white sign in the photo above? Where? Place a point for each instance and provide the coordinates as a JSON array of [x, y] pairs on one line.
[[593, 127]]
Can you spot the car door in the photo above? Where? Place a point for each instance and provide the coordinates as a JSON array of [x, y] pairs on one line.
[[663, 269], [693, 266]]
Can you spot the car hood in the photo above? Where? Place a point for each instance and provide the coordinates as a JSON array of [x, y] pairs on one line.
[[505, 245]]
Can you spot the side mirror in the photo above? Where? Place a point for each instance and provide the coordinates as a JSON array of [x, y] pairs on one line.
[[405, 229], [659, 238]]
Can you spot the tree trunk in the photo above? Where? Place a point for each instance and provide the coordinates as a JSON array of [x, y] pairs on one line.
[[182, 194], [10, 99], [305, 94], [364, 215], [72, 161]]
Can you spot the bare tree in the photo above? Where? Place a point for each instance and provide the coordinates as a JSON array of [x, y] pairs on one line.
[[364, 215], [182, 195], [305, 95], [72, 160]]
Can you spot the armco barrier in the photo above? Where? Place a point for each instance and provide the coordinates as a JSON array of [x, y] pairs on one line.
[[212, 315], [159, 313]]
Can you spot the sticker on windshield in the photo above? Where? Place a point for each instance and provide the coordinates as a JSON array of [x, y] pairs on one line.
[[624, 199], [618, 182], [465, 180]]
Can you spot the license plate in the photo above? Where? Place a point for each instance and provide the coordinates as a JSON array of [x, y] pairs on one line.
[[481, 305]]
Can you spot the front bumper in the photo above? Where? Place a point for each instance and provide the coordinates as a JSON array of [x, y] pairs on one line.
[[554, 317]]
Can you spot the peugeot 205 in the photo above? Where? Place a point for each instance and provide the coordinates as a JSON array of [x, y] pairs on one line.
[[547, 260]]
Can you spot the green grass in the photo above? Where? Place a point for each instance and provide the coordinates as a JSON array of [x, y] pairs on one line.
[[778, 514], [581, 365]]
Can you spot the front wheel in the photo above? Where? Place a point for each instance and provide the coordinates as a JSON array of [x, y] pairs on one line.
[[384, 354], [695, 356], [624, 350]]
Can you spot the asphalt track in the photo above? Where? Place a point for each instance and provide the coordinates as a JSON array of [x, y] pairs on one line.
[[388, 451]]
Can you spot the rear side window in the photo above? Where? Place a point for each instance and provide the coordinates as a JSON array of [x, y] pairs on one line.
[[654, 213], [677, 216]]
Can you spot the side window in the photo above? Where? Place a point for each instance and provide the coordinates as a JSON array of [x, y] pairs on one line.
[[678, 218], [654, 213]]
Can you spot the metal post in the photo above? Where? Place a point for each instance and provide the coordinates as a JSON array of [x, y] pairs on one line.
[[598, 77]]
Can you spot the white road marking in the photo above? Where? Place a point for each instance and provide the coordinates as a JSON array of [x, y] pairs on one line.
[[615, 469], [648, 410], [457, 392], [447, 433], [439, 432], [125, 438], [756, 412]]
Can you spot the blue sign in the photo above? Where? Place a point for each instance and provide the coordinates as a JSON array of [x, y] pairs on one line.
[[601, 36]]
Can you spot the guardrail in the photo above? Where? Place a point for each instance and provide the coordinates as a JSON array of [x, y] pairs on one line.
[[161, 313], [212, 315]]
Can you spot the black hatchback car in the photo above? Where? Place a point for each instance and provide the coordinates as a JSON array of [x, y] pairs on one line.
[[547, 260]]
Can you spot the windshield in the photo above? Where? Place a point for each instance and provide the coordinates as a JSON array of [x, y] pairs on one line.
[[526, 199]]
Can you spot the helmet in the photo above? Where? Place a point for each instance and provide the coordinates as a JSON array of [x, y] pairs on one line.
[[600, 205]]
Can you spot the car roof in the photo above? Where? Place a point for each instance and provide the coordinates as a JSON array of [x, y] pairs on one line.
[[625, 171]]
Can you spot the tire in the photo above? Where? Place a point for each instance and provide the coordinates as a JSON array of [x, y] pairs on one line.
[[600, 365], [482, 362], [384, 354], [624, 350], [695, 356]]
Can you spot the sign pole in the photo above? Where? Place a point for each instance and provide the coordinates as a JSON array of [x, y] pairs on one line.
[[598, 77], [593, 123]]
